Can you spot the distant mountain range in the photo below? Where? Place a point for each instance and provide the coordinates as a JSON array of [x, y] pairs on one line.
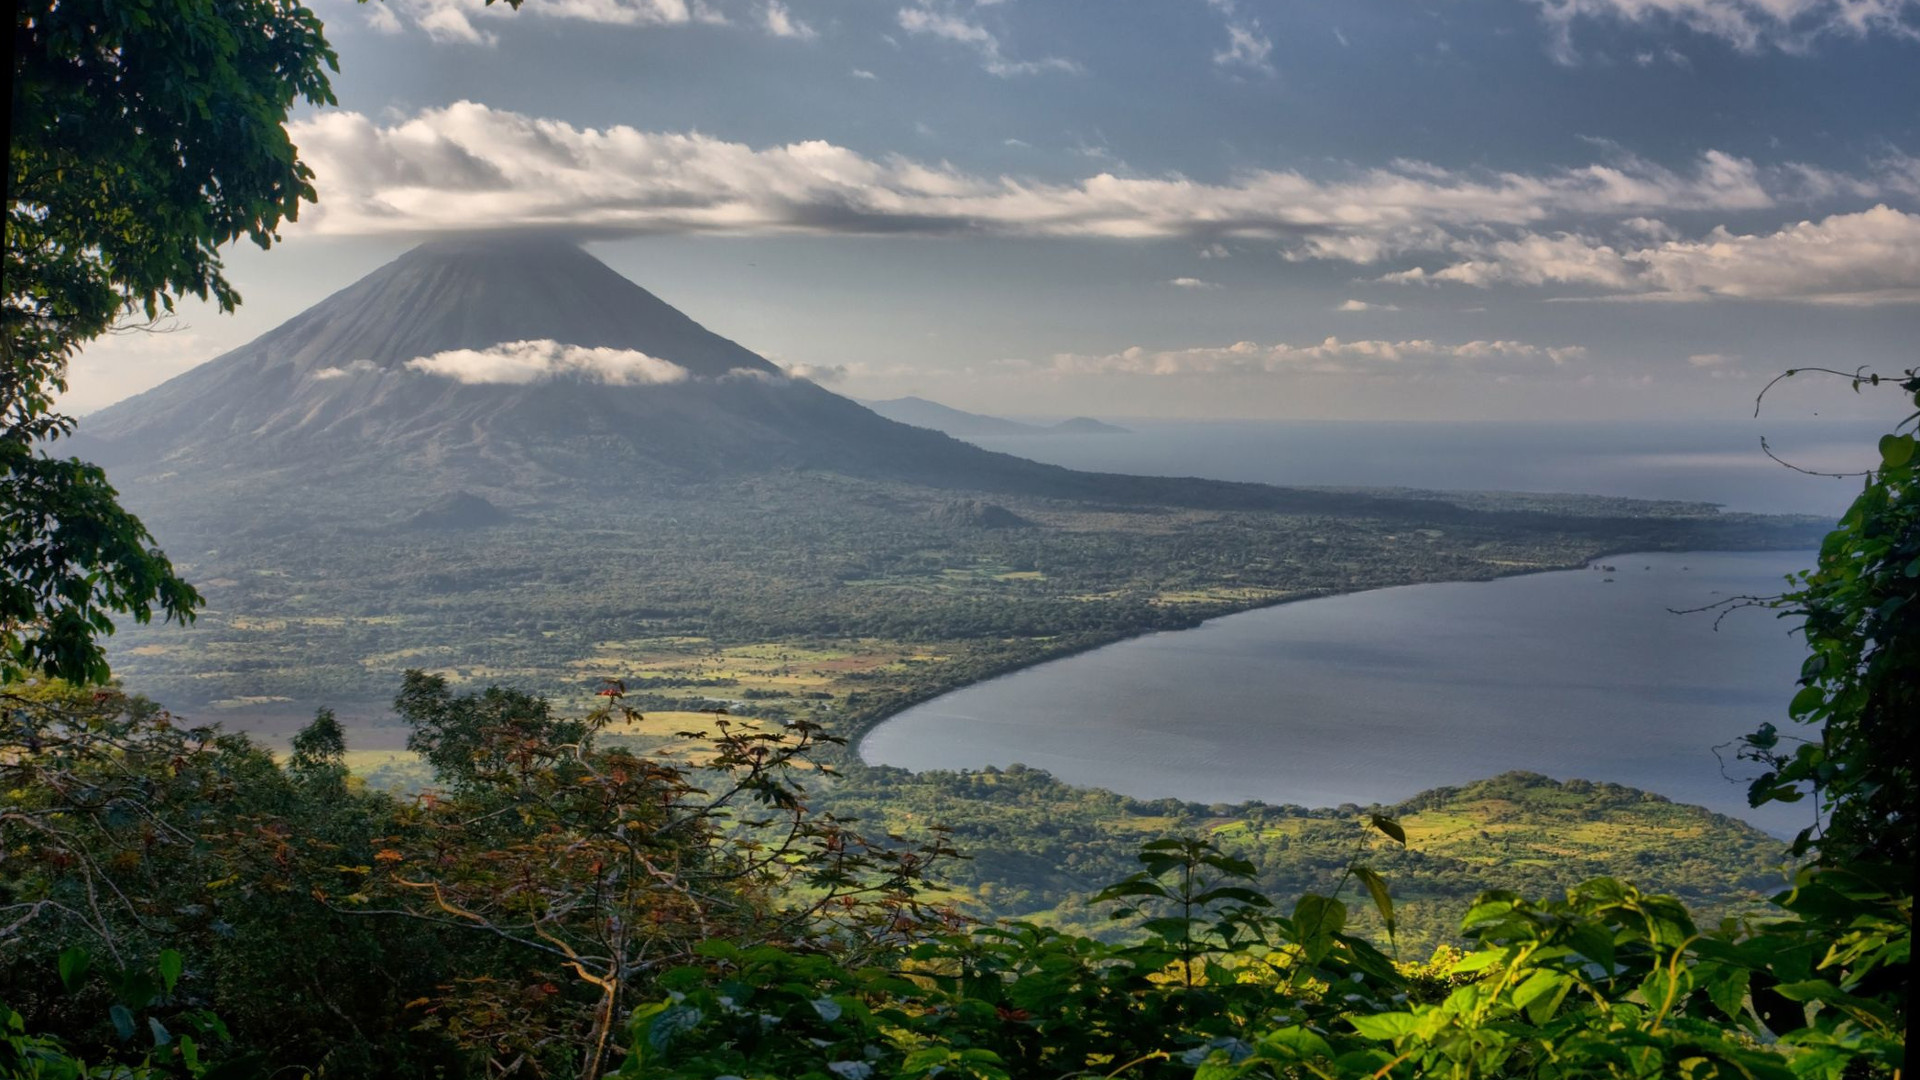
[[961, 424]]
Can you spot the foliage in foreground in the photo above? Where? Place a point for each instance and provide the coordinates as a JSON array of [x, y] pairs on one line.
[[142, 137], [1860, 687], [501, 924], [178, 903], [1605, 982]]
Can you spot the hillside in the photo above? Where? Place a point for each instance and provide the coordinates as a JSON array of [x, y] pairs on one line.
[[1039, 847]]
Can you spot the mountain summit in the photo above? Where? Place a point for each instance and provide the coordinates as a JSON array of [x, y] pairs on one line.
[[456, 344]]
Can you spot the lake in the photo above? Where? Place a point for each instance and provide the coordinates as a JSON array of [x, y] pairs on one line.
[[1375, 696]]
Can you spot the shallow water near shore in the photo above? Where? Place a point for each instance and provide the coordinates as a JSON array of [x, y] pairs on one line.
[[1375, 696]]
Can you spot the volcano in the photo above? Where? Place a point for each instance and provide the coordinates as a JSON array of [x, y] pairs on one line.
[[513, 362]]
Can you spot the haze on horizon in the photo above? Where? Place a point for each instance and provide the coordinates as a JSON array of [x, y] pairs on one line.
[[1506, 209]]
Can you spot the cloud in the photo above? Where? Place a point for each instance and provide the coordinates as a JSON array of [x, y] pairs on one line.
[[926, 19], [1747, 25], [863, 73], [518, 363], [820, 373], [1599, 227], [1246, 47], [1192, 283], [1717, 365], [1858, 259], [1362, 305], [452, 168], [1333, 356], [780, 23], [464, 21], [358, 367]]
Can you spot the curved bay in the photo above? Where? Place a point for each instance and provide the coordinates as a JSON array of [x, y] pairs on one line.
[[1375, 696]]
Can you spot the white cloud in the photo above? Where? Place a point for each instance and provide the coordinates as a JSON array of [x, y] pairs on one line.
[[1748, 25], [467, 22], [518, 363], [449, 168], [820, 373], [1859, 259], [1717, 365], [1192, 283], [1362, 305], [1375, 358], [357, 367], [863, 73], [383, 20], [781, 23], [1246, 47], [1600, 227], [925, 18]]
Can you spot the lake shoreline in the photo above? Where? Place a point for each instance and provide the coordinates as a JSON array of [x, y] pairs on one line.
[[859, 728], [859, 744]]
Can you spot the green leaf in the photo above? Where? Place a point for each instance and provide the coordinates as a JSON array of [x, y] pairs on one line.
[[1895, 450], [1540, 994], [1317, 915], [1235, 893], [1727, 989], [1390, 827], [74, 963], [925, 1058], [122, 1018], [1384, 1026], [1377, 888], [1477, 961], [671, 1023], [1806, 701], [170, 965], [1293, 1044]]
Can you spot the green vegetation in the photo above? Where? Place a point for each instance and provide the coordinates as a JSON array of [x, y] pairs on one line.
[[179, 902], [312, 598], [1858, 690], [1037, 848]]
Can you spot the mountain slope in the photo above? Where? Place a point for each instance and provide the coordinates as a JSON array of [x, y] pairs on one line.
[[959, 423]]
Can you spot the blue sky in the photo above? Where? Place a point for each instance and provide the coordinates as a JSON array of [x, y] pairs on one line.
[[1453, 209]]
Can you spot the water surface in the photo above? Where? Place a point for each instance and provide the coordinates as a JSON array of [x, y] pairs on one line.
[[1707, 461], [1375, 696]]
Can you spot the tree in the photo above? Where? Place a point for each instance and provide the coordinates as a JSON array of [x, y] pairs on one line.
[[144, 137], [1860, 686]]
